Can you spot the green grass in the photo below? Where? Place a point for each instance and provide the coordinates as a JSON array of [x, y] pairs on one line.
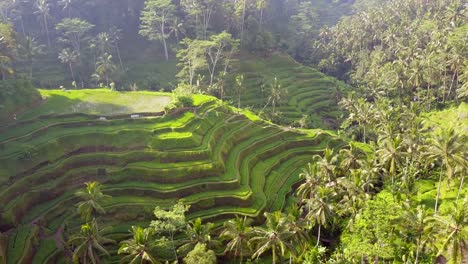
[[97, 102]]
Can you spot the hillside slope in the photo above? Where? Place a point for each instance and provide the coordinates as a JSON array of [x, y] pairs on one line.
[[220, 161], [308, 94]]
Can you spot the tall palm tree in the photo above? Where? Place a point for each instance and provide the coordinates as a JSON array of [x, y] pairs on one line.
[[275, 236], [320, 209], [452, 230], [105, 67], [237, 231], [198, 233], [445, 147], [350, 157], [277, 94], [312, 178], [418, 222], [138, 248], [43, 10], [91, 197], [391, 156], [89, 244], [69, 57], [327, 164]]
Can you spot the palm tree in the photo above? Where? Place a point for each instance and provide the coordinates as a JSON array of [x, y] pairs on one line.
[[277, 94], [350, 157], [43, 12], [89, 243], [276, 235], [320, 209], [237, 231], [91, 198], [198, 233], [418, 222], [312, 179], [327, 164], [391, 155], [445, 146], [138, 248], [105, 67], [452, 230], [69, 57]]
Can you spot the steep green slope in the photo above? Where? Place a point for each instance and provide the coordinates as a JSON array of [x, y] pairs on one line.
[[220, 161], [309, 93]]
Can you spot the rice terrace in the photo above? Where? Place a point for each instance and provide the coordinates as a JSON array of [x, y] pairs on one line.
[[233, 131]]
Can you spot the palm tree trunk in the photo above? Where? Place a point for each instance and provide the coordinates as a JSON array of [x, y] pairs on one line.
[[118, 55], [243, 22], [438, 192], [274, 254], [173, 247], [460, 189], [417, 250], [46, 26], [318, 236], [166, 54], [71, 71]]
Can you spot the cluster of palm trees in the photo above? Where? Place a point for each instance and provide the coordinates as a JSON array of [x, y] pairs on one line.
[[405, 49]]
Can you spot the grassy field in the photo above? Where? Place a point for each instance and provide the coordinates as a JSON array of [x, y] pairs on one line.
[[97, 102], [220, 160]]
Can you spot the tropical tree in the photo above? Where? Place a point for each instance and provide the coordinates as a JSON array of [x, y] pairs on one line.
[[240, 88], [168, 222], [200, 255], [452, 231], [192, 59], [91, 197], [392, 155], [446, 147], [312, 179], [69, 57], [320, 209], [198, 233], [220, 48], [277, 94], [105, 67], [43, 11], [237, 231], [155, 20], [275, 236], [89, 244], [418, 228], [8, 50], [74, 32], [138, 248]]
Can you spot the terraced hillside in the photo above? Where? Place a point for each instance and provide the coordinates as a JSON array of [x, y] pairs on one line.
[[310, 93], [220, 161]]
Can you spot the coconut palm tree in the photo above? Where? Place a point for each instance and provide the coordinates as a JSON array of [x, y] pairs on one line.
[[237, 231], [105, 67], [320, 209], [445, 147], [69, 57], [89, 244], [452, 230], [275, 236], [312, 178], [42, 11], [138, 248], [391, 156], [198, 233], [91, 197], [417, 221], [327, 164]]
